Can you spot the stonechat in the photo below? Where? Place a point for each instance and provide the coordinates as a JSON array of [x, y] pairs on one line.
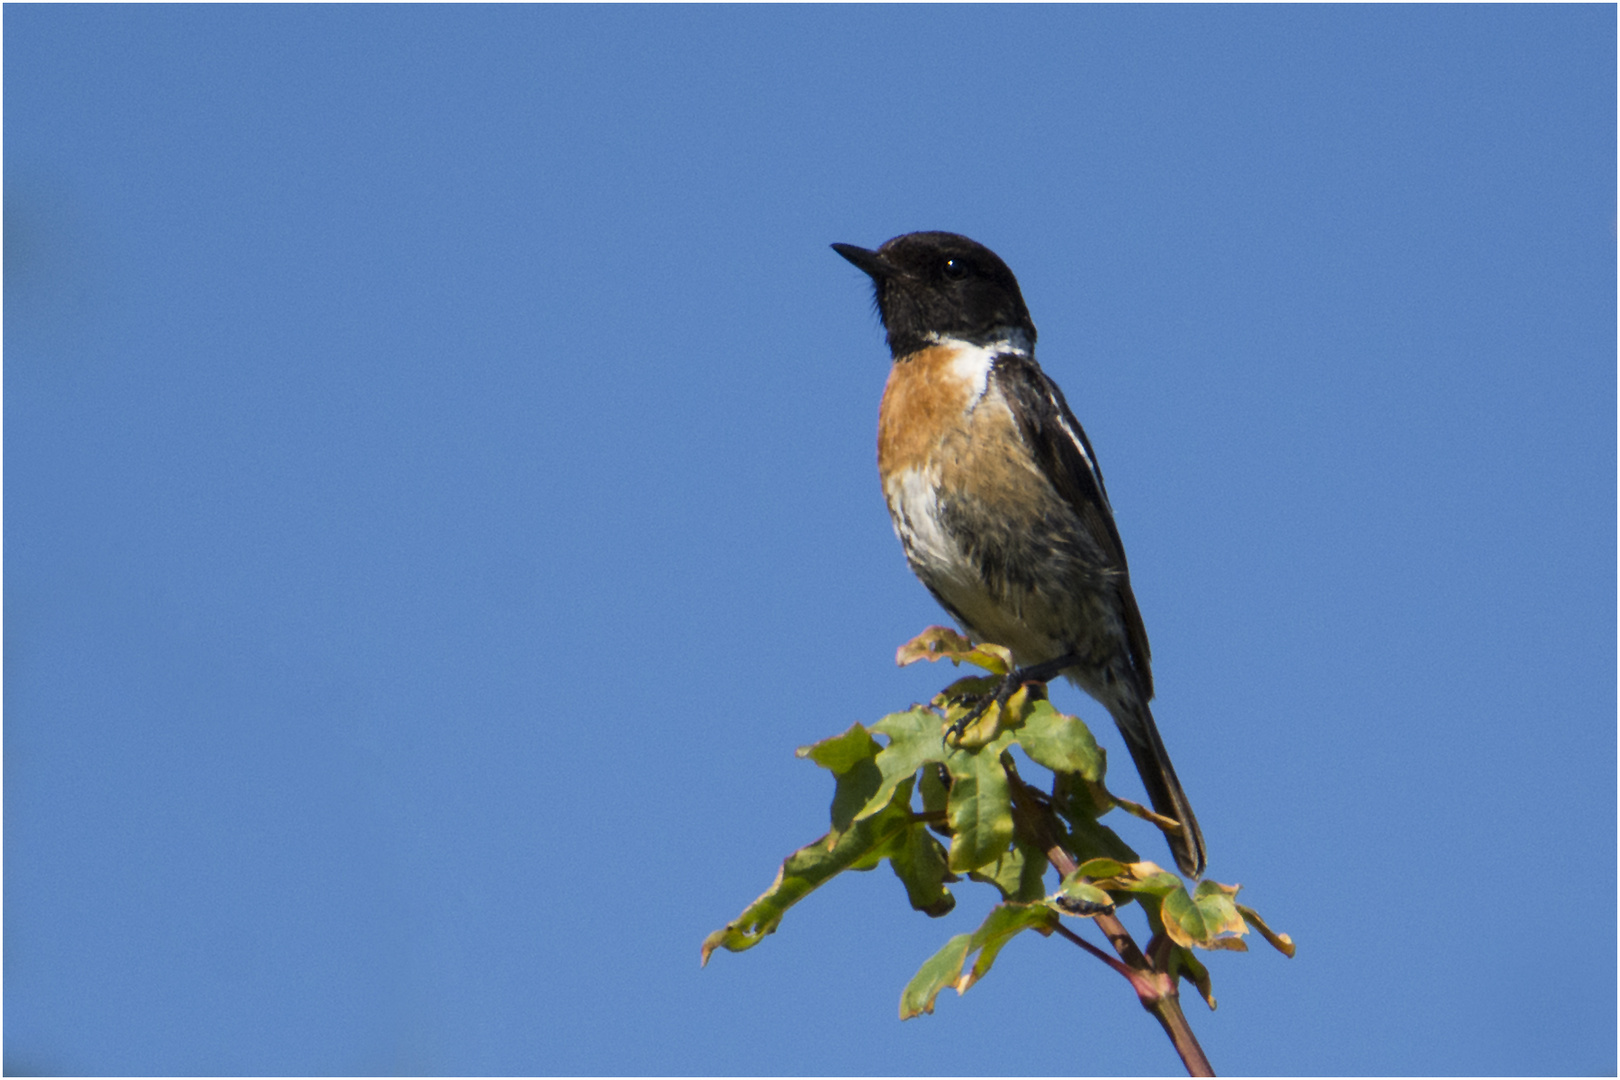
[[996, 495]]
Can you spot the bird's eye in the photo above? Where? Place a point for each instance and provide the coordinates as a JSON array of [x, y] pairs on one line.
[[956, 269]]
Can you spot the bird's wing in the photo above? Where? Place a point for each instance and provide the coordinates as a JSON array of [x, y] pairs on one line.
[[1060, 447]]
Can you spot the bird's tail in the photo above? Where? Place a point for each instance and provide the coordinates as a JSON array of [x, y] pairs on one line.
[[1163, 789]]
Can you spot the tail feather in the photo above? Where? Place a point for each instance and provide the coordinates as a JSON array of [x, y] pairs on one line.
[[1163, 788]]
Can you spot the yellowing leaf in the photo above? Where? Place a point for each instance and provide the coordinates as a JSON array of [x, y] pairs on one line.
[[1207, 918], [1137, 810], [934, 643], [1182, 920], [1281, 942], [942, 643], [1214, 901], [993, 658], [982, 731]]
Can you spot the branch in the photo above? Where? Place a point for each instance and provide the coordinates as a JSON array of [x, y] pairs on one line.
[[1093, 950], [1156, 985]]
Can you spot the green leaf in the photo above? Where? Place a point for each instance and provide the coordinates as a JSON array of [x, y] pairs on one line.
[[1088, 839], [1143, 877], [932, 791], [852, 790], [1060, 742], [980, 807], [964, 792], [1019, 873], [1137, 878], [851, 758], [1079, 799], [840, 752], [811, 867], [1004, 922], [939, 971], [1154, 881], [1189, 967], [944, 968], [878, 852], [1100, 868], [919, 862], [1213, 891], [915, 740], [1281, 942]]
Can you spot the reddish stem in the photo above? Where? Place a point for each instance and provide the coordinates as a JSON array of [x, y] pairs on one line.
[[1156, 987]]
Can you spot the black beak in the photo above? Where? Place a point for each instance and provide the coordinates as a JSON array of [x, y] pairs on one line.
[[874, 264]]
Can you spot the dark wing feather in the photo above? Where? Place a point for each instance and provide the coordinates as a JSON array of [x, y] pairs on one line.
[[1060, 447]]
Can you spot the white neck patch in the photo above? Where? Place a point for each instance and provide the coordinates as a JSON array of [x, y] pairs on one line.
[[971, 362]]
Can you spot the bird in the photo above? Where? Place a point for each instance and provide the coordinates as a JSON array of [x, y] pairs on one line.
[[997, 499]]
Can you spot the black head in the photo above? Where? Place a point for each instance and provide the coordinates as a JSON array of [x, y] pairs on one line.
[[939, 284]]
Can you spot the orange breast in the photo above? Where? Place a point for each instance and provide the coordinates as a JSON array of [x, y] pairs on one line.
[[924, 402], [942, 415]]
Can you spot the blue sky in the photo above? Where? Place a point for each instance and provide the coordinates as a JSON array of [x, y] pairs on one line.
[[440, 495]]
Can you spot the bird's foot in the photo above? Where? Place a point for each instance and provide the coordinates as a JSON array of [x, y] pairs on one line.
[[1039, 674]]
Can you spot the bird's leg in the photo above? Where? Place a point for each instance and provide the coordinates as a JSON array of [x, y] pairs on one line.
[[1042, 673]]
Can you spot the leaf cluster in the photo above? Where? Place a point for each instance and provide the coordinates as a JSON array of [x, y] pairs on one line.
[[938, 809]]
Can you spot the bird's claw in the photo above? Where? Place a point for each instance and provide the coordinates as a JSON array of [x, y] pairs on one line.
[[998, 697]]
